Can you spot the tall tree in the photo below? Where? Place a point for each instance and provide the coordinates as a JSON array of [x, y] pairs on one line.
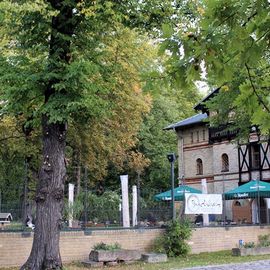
[[51, 71], [170, 105], [97, 144]]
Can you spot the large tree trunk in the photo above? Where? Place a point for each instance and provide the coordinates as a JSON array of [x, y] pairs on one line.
[[45, 252]]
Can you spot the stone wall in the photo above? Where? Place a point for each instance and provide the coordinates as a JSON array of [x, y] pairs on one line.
[[75, 246]]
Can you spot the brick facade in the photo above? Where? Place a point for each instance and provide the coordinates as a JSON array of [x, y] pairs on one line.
[[201, 154], [211, 156]]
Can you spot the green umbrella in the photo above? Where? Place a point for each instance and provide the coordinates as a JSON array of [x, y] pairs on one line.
[[252, 189], [178, 193]]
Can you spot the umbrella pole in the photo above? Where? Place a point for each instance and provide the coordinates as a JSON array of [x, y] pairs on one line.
[[172, 190], [258, 202], [223, 201]]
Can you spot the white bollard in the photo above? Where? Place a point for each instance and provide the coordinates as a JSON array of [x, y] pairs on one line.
[[125, 204], [134, 206], [70, 203]]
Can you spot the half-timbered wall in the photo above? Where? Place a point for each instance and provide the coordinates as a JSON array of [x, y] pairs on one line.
[[254, 161]]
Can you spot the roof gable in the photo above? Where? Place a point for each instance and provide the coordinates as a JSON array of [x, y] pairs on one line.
[[201, 106], [5, 216], [195, 119]]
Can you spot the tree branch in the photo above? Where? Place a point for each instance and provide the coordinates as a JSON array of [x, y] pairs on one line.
[[255, 91], [249, 18], [11, 137]]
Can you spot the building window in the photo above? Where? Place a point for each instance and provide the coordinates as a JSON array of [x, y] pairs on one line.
[[203, 135], [199, 166], [198, 136], [225, 163], [255, 156], [191, 137]]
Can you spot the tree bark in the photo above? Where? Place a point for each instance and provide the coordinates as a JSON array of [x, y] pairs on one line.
[[45, 253]]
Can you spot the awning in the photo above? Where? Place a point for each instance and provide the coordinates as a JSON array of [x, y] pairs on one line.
[[178, 193], [252, 189]]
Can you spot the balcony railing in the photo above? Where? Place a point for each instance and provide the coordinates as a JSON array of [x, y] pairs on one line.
[[222, 132]]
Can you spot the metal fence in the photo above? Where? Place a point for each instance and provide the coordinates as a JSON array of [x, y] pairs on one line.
[[92, 213]]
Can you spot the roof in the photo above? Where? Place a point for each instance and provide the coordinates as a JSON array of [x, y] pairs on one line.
[[5, 215], [195, 119], [200, 106]]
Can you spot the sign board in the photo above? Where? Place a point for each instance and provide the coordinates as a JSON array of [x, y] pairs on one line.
[[203, 203]]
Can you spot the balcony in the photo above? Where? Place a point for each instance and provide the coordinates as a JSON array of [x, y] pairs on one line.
[[221, 133]]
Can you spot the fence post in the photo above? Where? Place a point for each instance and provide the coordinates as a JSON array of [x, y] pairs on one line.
[[25, 195], [138, 199], [85, 198]]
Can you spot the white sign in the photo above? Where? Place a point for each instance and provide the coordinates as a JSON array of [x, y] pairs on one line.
[[203, 203]]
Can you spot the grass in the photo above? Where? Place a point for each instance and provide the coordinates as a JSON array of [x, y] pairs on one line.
[[221, 257]]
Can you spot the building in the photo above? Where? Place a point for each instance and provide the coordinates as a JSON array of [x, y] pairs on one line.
[[215, 154]]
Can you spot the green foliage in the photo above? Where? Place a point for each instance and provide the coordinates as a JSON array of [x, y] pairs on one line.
[[173, 242], [249, 245], [110, 247], [228, 43], [101, 208], [15, 149], [170, 104], [74, 210], [264, 240]]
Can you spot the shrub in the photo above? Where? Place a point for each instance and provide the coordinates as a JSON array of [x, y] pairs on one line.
[[249, 245], [173, 241], [264, 240], [103, 246]]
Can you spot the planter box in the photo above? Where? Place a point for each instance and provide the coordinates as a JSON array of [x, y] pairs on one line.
[[250, 251], [115, 255]]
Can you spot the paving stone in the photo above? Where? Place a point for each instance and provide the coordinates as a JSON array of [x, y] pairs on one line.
[[154, 257]]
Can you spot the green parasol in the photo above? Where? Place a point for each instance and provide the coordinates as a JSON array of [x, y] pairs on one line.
[[252, 189], [178, 193]]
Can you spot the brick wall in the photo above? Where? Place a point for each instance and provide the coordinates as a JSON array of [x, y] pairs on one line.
[[215, 239], [75, 246]]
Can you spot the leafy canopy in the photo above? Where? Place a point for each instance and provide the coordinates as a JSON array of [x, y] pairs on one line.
[[229, 41]]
